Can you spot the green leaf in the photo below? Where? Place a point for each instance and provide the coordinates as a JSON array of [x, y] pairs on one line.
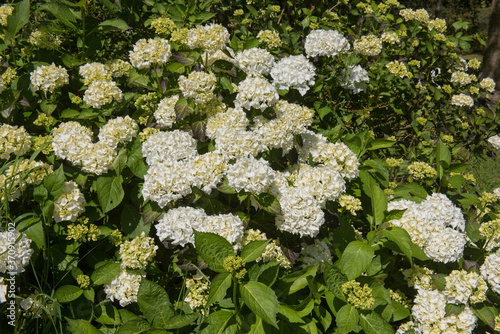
[[443, 159], [135, 160], [33, 228], [372, 323], [120, 161], [401, 238], [298, 280], [107, 314], [55, 182], [269, 203], [213, 249], [114, 24], [334, 280], [187, 58], [226, 84], [355, 259], [89, 293], [19, 17], [253, 250], [62, 13], [218, 287], [251, 43], [266, 273], [80, 326], [134, 326], [290, 314], [377, 197], [486, 313], [182, 320], [154, 303], [183, 107], [347, 319], [221, 322], [261, 300], [379, 143], [105, 272], [67, 293], [109, 192]]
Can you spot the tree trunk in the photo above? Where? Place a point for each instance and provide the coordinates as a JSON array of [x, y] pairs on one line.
[[491, 59]]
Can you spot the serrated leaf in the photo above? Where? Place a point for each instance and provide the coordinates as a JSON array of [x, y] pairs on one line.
[[401, 238], [67, 293], [199, 130], [486, 313], [221, 322], [261, 300], [105, 273], [253, 250], [269, 203], [62, 13], [266, 273], [79, 326], [443, 158], [334, 280], [107, 314], [154, 303], [186, 58], [213, 249], [355, 259], [120, 162], [55, 182], [218, 287], [372, 323], [379, 143], [298, 279], [347, 319], [109, 192], [114, 24], [20, 16], [182, 320], [183, 107], [226, 84], [452, 309], [290, 314]]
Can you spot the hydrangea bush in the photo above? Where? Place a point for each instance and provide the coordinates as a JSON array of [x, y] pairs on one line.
[[249, 168]]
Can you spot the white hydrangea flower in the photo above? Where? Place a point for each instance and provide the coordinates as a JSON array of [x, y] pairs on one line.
[[178, 224], [3, 291], [14, 140], [49, 78], [443, 209], [169, 147], [70, 204], [461, 78], [256, 92], [317, 253], [325, 43], [238, 143], [494, 141], [294, 72], [165, 114], [462, 100], [429, 306], [488, 85], [490, 270], [208, 170], [228, 226], [369, 45], [94, 71], [98, 158], [255, 61], [101, 92], [137, 253], [70, 139], [164, 183], [356, 79], [390, 37], [199, 86], [15, 252], [118, 130], [124, 287], [324, 182], [463, 287], [148, 52], [19, 174], [233, 119], [209, 37], [250, 174]]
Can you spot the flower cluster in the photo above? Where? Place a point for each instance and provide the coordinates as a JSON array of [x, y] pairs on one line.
[[15, 251], [273, 250], [271, 38], [436, 225], [177, 225], [151, 51], [199, 86], [350, 203], [45, 40], [368, 45], [49, 78], [124, 287], [14, 140], [421, 170], [294, 72], [210, 37], [357, 296], [70, 204], [461, 78], [399, 69], [19, 175], [255, 61], [488, 85], [5, 11], [491, 231], [462, 100], [101, 92], [197, 296], [490, 271], [73, 142], [94, 71], [136, 254], [325, 43], [163, 25], [356, 79], [317, 253]]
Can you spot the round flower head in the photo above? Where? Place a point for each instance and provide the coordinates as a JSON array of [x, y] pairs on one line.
[[15, 252], [45, 40], [165, 114], [462, 100], [255, 61], [325, 43], [124, 287], [210, 37], [93, 72], [199, 86], [169, 147], [490, 270], [137, 253], [70, 204], [13, 140], [368, 45], [294, 72], [5, 11], [118, 130], [250, 174], [49, 78], [256, 92], [148, 52], [356, 79], [101, 92]]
